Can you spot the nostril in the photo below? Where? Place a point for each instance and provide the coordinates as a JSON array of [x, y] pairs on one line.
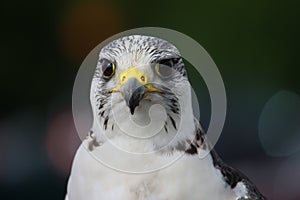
[[143, 78], [123, 78]]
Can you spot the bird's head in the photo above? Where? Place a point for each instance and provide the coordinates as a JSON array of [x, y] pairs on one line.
[[135, 72]]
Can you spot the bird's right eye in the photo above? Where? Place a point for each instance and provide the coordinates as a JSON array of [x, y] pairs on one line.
[[108, 69]]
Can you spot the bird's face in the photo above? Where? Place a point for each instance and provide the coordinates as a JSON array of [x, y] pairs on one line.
[[135, 72]]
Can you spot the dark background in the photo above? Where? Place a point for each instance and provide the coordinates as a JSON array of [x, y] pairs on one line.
[[255, 45]]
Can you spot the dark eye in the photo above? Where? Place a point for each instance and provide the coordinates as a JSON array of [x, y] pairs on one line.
[[108, 69], [164, 68]]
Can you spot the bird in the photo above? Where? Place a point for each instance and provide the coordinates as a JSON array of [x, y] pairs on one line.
[[145, 143]]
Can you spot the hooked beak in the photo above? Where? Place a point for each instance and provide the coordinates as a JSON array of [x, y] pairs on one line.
[[133, 92], [134, 87]]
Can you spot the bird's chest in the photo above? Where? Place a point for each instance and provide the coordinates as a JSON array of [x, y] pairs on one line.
[[189, 177]]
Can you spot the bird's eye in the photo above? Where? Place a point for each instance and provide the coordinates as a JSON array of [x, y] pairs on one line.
[[164, 68], [108, 69]]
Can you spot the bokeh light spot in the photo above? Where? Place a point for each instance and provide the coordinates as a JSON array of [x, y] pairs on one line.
[[62, 142], [87, 24], [279, 127]]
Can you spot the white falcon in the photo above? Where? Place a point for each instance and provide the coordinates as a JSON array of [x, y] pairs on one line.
[[133, 74]]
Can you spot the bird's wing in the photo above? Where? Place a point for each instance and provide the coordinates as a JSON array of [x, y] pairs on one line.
[[239, 183]]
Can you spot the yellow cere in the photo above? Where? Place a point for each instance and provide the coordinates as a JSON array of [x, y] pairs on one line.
[[139, 75], [133, 72]]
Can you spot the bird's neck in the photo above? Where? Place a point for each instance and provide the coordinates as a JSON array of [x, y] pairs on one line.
[[142, 134]]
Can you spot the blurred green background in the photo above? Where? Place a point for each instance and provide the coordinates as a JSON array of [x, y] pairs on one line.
[[255, 45]]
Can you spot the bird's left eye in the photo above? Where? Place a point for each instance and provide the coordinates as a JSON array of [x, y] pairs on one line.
[[108, 69], [164, 68]]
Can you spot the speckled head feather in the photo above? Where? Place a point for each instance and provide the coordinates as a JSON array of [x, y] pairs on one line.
[[144, 50]]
